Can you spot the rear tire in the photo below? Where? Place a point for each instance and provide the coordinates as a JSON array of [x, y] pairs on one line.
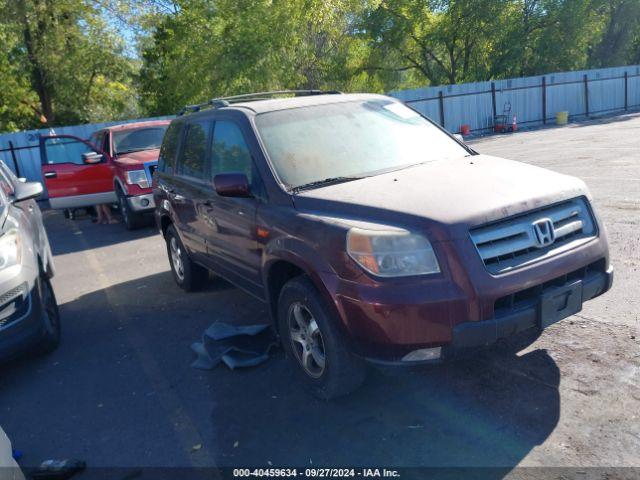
[[188, 275], [314, 343], [130, 219], [50, 317]]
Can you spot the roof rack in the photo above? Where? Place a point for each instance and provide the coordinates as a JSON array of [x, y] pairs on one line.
[[251, 97]]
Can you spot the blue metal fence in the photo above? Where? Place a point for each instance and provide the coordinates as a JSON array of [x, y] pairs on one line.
[[533, 100]]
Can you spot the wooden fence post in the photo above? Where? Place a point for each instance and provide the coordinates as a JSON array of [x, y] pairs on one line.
[[441, 102], [544, 100], [626, 89], [586, 94], [15, 159], [493, 100]]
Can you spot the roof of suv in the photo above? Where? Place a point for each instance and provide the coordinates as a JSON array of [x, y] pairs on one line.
[[274, 104]]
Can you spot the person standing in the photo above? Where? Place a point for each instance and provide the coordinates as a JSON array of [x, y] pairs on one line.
[[104, 214]]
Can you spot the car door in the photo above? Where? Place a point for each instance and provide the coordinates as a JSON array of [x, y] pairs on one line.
[[76, 173], [189, 184], [229, 222]]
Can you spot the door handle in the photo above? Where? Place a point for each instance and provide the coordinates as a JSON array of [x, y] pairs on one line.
[[50, 175]]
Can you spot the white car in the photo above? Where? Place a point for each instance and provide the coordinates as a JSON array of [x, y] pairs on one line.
[[9, 469]]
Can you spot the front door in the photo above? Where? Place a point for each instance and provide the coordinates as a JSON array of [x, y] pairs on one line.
[[230, 223], [75, 172]]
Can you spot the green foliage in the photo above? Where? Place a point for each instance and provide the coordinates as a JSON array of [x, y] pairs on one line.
[[255, 45], [65, 60], [69, 66]]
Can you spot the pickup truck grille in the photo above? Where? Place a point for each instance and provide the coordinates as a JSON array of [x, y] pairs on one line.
[[519, 240]]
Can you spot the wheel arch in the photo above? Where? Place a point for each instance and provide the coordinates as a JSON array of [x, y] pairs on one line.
[[119, 185], [279, 270], [164, 223]]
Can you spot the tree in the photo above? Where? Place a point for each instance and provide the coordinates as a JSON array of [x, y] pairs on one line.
[[237, 47], [621, 26], [444, 41], [66, 50]]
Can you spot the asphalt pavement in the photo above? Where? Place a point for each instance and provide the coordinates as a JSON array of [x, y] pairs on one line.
[[120, 391]]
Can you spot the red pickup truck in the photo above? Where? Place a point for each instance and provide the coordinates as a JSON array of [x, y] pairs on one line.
[[115, 165]]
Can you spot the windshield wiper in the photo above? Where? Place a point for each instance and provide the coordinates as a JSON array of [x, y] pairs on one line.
[[323, 183], [141, 149]]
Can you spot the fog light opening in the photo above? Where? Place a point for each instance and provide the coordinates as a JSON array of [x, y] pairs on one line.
[[144, 202], [423, 354]]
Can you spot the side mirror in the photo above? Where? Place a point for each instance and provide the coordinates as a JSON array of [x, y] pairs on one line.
[[91, 158], [458, 137], [26, 191], [232, 185]]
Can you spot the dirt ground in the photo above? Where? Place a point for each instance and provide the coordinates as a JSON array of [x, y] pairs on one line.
[[120, 390]]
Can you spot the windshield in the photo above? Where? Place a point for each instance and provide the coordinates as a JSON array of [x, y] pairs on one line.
[[138, 139], [350, 139]]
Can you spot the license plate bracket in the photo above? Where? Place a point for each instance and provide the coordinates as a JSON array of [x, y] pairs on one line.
[[559, 303]]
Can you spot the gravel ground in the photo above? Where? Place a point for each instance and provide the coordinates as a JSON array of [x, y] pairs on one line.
[[120, 391]]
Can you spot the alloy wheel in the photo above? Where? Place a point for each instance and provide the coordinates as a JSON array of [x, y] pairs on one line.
[[306, 340], [176, 258]]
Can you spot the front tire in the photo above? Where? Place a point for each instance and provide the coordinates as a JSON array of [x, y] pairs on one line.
[[50, 317], [314, 343], [188, 275], [130, 219]]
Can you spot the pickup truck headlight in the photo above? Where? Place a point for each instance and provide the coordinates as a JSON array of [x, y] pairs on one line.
[[396, 253], [10, 250], [137, 177]]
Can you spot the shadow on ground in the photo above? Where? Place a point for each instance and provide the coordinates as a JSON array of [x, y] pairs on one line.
[[120, 392], [95, 235]]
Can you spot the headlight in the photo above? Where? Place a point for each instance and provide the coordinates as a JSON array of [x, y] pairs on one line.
[[137, 177], [10, 251], [392, 253]]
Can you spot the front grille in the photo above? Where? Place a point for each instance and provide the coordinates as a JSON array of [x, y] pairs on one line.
[[513, 242], [530, 296], [14, 305]]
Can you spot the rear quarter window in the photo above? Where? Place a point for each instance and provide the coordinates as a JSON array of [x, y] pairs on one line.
[[169, 149], [193, 160]]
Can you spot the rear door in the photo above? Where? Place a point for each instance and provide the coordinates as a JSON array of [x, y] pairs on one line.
[[230, 223], [189, 184], [76, 173]]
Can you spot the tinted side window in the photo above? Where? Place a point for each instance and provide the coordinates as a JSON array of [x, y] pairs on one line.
[[193, 159], [167, 158], [230, 151], [66, 150]]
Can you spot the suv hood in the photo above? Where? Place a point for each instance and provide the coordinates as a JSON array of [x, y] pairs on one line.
[[458, 194], [138, 158]]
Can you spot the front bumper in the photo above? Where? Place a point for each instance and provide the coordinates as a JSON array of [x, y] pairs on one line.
[[141, 203], [21, 326], [385, 322], [533, 314]]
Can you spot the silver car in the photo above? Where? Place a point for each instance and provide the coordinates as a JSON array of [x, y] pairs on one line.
[[29, 318], [9, 469]]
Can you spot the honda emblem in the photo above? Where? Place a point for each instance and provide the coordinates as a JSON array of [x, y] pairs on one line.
[[543, 232]]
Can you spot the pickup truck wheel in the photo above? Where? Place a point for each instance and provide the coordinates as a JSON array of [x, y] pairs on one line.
[[314, 343], [188, 275], [50, 317], [130, 219]]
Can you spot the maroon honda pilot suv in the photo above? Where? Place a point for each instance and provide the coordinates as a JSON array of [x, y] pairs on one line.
[[372, 234]]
